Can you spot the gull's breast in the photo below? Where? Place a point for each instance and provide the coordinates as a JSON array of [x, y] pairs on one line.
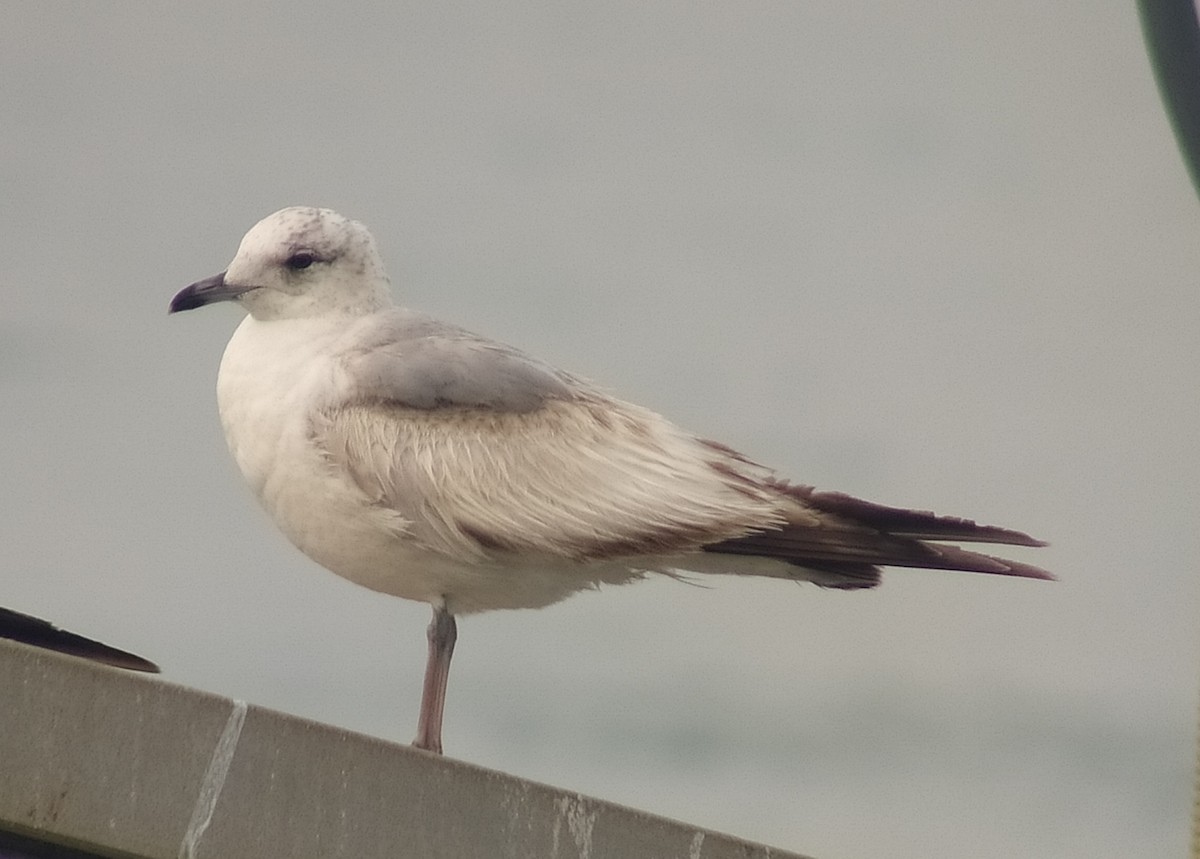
[[274, 378]]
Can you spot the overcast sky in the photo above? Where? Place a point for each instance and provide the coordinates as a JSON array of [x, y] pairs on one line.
[[938, 255]]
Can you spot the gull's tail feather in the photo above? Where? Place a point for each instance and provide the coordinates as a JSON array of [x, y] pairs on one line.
[[847, 539], [41, 633]]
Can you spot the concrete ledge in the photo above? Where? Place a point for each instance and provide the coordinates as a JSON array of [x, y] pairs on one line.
[[126, 765]]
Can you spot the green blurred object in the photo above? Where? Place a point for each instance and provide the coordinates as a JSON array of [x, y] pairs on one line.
[[1172, 36], [1173, 41]]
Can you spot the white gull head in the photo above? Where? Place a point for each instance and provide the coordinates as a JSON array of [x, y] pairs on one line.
[[299, 262]]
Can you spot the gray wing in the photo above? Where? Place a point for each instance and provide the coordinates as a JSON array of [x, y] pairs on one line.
[[477, 448], [411, 360]]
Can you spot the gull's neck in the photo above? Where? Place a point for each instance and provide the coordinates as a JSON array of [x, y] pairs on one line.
[[336, 305]]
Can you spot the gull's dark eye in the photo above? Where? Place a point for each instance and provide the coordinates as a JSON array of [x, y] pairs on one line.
[[300, 260]]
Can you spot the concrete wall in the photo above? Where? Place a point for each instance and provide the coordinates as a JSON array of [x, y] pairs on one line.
[[121, 764]]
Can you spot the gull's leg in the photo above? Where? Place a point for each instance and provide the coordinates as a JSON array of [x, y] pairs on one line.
[[442, 634]]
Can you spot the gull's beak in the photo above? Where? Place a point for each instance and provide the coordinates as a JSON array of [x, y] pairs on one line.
[[206, 291]]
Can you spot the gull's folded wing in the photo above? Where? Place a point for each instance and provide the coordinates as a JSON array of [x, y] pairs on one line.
[[479, 448]]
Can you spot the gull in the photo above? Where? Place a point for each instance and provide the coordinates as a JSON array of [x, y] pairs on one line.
[[420, 460]]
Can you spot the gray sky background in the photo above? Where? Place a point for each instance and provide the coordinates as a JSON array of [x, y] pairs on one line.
[[940, 255]]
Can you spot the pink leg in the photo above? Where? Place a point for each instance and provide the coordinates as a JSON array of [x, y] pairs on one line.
[[442, 634]]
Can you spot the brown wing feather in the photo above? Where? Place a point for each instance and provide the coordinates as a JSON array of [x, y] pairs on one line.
[[919, 524], [850, 538]]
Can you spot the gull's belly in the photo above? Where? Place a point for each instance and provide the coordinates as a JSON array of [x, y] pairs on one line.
[[329, 519]]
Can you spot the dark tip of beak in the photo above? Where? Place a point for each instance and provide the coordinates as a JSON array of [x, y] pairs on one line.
[[204, 292]]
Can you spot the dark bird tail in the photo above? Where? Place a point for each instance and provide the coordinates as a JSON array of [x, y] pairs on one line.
[[846, 540]]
